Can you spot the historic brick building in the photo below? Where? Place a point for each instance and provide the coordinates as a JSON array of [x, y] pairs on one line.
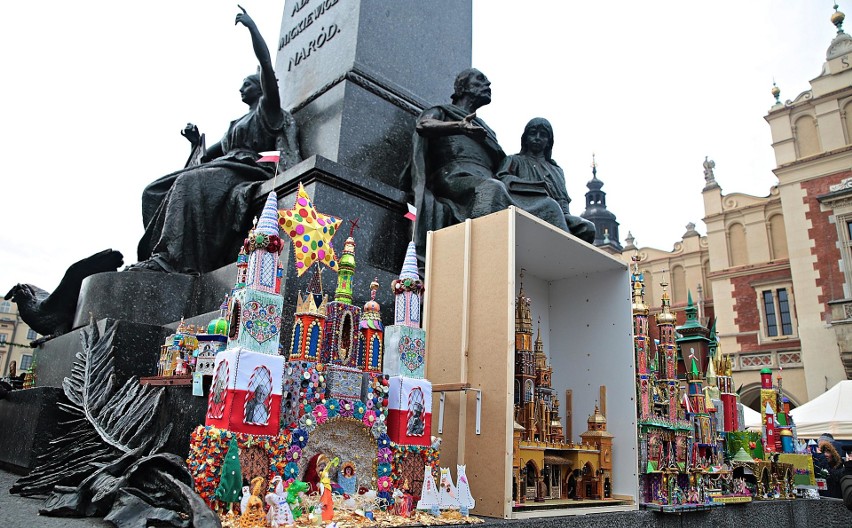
[[777, 270]]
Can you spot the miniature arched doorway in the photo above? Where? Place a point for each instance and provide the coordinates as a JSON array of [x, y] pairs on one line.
[[569, 490], [349, 440], [345, 352], [766, 481], [297, 341], [409, 467], [254, 462], [531, 480], [589, 483]]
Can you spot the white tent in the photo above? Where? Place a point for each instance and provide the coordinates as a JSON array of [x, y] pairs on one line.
[[828, 413], [753, 420]]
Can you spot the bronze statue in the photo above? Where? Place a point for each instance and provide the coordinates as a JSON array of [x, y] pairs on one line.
[[537, 184], [52, 314], [196, 218], [454, 155]]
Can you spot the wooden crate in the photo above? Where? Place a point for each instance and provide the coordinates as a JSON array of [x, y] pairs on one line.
[[582, 296]]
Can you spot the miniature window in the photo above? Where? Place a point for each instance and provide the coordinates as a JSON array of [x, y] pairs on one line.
[[415, 310], [267, 270], [777, 318], [375, 352], [416, 409], [258, 405], [399, 312], [216, 405], [297, 340], [314, 343]]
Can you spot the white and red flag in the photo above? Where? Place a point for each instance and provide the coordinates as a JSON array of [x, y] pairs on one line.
[[271, 156], [412, 212]]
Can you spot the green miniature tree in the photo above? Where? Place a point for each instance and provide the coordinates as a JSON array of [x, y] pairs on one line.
[[230, 487]]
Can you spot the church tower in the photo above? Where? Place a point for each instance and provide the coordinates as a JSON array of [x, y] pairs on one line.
[[606, 226], [309, 323], [371, 344], [524, 365], [340, 340]]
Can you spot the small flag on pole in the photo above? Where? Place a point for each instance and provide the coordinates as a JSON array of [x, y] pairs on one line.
[[412, 212], [269, 157]]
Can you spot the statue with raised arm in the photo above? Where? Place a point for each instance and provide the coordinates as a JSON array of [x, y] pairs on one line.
[[196, 218], [537, 184], [450, 177]]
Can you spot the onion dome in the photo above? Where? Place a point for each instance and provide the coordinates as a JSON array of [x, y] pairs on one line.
[[837, 19], [842, 42], [220, 325], [371, 316], [785, 432], [638, 280], [776, 93], [597, 418], [766, 370], [347, 261], [666, 316]]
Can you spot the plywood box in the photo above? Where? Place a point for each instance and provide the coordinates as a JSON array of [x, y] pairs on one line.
[[582, 297]]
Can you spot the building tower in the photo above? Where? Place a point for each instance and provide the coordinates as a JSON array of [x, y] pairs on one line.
[[340, 341], [255, 310], [544, 393], [524, 365], [248, 377], [601, 439], [606, 226], [309, 322], [645, 379], [404, 340], [372, 333], [667, 351]]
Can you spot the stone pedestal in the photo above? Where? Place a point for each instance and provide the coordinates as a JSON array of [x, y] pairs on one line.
[[137, 349], [355, 74], [30, 419]]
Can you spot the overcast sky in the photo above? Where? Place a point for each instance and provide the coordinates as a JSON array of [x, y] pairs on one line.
[[96, 94]]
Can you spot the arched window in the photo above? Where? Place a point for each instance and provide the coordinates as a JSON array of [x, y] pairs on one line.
[[297, 341], [258, 406], [807, 140], [778, 236], [314, 342], [528, 390], [737, 248], [375, 352], [216, 403]]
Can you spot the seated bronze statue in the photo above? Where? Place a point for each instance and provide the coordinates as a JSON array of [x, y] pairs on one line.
[[196, 218], [537, 184], [455, 158], [450, 176]]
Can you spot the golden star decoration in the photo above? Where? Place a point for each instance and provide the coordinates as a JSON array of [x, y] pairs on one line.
[[310, 231]]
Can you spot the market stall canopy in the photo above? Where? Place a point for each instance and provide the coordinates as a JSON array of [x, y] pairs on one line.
[[752, 418], [829, 413]]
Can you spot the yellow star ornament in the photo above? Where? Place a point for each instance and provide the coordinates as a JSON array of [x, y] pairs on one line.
[[310, 231]]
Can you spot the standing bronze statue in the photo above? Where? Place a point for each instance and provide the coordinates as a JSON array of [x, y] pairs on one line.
[[196, 218], [537, 184], [454, 155]]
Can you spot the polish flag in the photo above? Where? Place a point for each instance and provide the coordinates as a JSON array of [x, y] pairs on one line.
[[412, 212], [269, 157]]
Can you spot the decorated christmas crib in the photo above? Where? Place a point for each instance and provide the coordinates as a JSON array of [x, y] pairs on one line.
[[334, 412]]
